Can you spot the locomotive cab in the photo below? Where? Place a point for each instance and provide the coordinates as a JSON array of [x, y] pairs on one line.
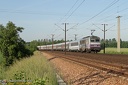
[[95, 44], [90, 43]]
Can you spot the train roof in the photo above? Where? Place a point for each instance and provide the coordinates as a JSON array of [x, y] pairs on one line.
[[91, 37]]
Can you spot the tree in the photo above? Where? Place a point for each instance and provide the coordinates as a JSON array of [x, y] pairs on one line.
[[11, 45]]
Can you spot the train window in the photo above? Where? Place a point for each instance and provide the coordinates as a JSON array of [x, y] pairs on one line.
[[97, 40], [74, 44], [92, 40]]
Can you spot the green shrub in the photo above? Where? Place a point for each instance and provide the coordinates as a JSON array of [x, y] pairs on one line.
[[36, 69]]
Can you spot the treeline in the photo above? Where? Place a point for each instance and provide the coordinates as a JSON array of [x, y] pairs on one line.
[[33, 44], [113, 43], [12, 46], [108, 43]]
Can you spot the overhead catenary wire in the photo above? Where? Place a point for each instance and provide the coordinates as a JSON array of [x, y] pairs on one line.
[[59, 27], [110, 27], [106, 29], [97, 26], [115, 13], [77, 24], [74, 26], [120, 29], [110, 14], [27, 12], [111, 19], [69, 10], [58, 35], [74, 10], [110, 5], [113, 9]]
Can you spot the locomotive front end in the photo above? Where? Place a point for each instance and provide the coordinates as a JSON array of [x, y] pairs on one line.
[[95, 44]]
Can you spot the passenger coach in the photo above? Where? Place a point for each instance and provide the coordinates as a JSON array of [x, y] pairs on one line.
[[86, 44]]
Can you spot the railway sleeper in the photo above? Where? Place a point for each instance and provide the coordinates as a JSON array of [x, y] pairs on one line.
[[118, 73], [115, 72], [124, 67]]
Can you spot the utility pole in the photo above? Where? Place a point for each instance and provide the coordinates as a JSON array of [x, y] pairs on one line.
[[45, 43], [52, 41], [65, 38], [75, 36], [104, 35], [65, 35], [118, 33]]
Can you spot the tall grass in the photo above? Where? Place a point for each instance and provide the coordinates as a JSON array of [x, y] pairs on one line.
[[2, 69], [1, 59], [33, 68], [114, 51]]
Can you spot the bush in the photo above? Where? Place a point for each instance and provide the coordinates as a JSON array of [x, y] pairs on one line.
[[36, 69]]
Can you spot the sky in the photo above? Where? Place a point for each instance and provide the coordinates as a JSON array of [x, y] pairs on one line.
[[42, 18]]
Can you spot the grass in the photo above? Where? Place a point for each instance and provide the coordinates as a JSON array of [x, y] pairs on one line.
[[114, 51], [36, 69], [2, 61]]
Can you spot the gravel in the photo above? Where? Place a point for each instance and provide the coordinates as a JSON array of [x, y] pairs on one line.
[[77, 74]]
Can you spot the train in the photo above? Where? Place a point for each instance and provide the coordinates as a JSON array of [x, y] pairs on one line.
[[86, 44]]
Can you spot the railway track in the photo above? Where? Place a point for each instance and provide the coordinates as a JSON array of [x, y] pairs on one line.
[[109, 68], [112, 68]]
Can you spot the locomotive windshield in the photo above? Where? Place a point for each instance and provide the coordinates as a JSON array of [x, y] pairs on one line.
[[95, 40], [92, 40]]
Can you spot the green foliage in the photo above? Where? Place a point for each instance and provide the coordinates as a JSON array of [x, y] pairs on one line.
[[2, 69], [11, 45], [35, 69], [2, 72], [32, 46], [40, 81], [2, 59], [113, 43], [20, 76]]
